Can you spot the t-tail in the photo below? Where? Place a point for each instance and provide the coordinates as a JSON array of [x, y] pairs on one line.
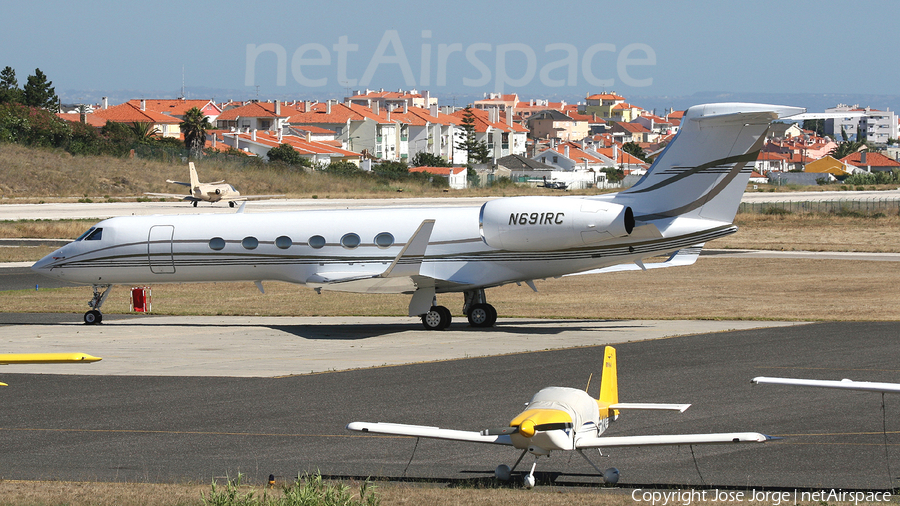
[[609, 385], [705, 169], [195, 181]]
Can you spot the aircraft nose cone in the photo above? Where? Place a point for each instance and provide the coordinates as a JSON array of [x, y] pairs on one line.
[[526, 429]]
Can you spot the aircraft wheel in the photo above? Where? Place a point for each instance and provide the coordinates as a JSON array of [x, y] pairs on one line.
[[93, 317], [482, 315], [195, 203], [611, 476], [231, 203], [437, 318], [502, 473]]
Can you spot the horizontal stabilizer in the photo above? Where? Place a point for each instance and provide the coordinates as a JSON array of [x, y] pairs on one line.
[[681, 258], [650, 405], [177, 182], [675, 439], [398, 429], [844, 384]]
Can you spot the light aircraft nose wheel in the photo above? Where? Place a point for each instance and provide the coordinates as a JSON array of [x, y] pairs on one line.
[[231, 204], [437, 318], [93, 317], [482, 315]]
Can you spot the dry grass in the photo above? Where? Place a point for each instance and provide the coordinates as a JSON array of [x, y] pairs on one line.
[[814, 232], [713, 288]]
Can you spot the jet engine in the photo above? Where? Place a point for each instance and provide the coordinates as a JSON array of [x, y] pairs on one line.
[[552, 223]]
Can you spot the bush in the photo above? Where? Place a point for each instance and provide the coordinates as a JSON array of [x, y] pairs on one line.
[[775, 211], [306, 490]]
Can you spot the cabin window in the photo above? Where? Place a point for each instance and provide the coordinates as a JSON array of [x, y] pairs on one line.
[[217, 243], [316, 241], [250, 242], [384, 240], [283, 242], [350, 241], [96, 235], [82, 236]]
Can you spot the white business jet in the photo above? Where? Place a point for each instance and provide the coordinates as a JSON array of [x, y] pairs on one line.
[[689, 197], [566, 419]]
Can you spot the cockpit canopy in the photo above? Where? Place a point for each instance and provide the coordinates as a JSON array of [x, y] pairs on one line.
[[93, 234]]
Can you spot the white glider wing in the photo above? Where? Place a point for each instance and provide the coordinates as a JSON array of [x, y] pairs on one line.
[[675, 439], [844, 384], [399, 429]]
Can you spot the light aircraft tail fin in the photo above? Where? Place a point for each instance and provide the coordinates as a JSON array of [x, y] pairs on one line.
[[705, 172], [609, 383], [195, 181]]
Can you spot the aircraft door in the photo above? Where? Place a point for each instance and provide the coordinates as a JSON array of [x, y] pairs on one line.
[[159, 249]]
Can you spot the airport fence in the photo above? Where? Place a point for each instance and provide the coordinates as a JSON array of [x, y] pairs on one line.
[[860, 205]]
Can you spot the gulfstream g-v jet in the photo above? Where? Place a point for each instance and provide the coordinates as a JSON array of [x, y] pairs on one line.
[[688, 197]]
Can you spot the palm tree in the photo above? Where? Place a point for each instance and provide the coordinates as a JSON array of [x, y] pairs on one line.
[[143, 131], [194, 128]]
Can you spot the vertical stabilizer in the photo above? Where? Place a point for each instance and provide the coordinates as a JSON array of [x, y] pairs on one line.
[[195, 181], [609, 382]]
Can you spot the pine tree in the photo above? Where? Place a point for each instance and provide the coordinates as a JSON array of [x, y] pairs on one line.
[[477, 152], [38, 92], [9, 87]]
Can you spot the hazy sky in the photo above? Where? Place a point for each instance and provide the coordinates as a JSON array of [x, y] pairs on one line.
[[534, 48]]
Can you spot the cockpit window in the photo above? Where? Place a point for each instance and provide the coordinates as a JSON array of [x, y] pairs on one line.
[[82, 236], [95, 235]]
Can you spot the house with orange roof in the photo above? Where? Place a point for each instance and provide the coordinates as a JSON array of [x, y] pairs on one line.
[[389, 100], [87, 118], [602, 104], [260, 142], [552, 124], [267, 116], [130, 114], [178, 107], [770, 161], [829, 165], [456, 176], [432, 132], [524, 110], [655, 124], [871, 161], [631, 132], [498, 101]]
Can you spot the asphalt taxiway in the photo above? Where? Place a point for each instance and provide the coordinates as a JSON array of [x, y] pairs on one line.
[[208, 420]]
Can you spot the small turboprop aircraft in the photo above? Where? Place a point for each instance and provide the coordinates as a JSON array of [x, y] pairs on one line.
[[560, 418], [844, 384], [209, 192], [46, 358], [688, 197]]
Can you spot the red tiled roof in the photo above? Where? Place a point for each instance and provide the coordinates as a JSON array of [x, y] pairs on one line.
[[438, 171], [128, 113], [872, 160], [605, 96], [89, 119], [252, 110], [298, 143], [173, 107]]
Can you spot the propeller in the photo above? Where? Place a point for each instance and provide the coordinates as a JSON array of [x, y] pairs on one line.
[[499, 431]]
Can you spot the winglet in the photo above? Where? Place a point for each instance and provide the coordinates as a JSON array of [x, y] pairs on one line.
[[409, 260]]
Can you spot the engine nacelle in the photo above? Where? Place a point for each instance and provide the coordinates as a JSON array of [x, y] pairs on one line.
[[552, 223]]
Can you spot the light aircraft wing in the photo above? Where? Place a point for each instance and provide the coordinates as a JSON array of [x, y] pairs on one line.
[[181, 196], [399, 429], [401, 276], [675, 439], [46, 358], [682, 257], [844, 384]]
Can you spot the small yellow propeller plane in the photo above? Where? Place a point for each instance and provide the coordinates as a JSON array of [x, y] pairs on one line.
[[46, 358], [560, 418], [209, 192]]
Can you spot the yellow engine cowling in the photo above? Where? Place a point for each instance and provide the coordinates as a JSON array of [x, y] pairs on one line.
[[552, 223]]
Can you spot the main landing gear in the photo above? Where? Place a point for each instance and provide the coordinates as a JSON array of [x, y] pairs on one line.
[[477, 311], [504, 472], [94, 316]]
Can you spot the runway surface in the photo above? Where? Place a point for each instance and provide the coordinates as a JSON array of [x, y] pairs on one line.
[[175, 428]]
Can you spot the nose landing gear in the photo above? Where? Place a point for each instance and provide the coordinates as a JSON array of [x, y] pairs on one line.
[[94, 316]]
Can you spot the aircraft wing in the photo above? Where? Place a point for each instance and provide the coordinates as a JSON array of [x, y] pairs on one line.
[[398, 429], [844, 384], [675, 439], [650, 405], [46, 358], [400, 277], [181, 196], [682, 257], [247, 197], [177, 182]]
